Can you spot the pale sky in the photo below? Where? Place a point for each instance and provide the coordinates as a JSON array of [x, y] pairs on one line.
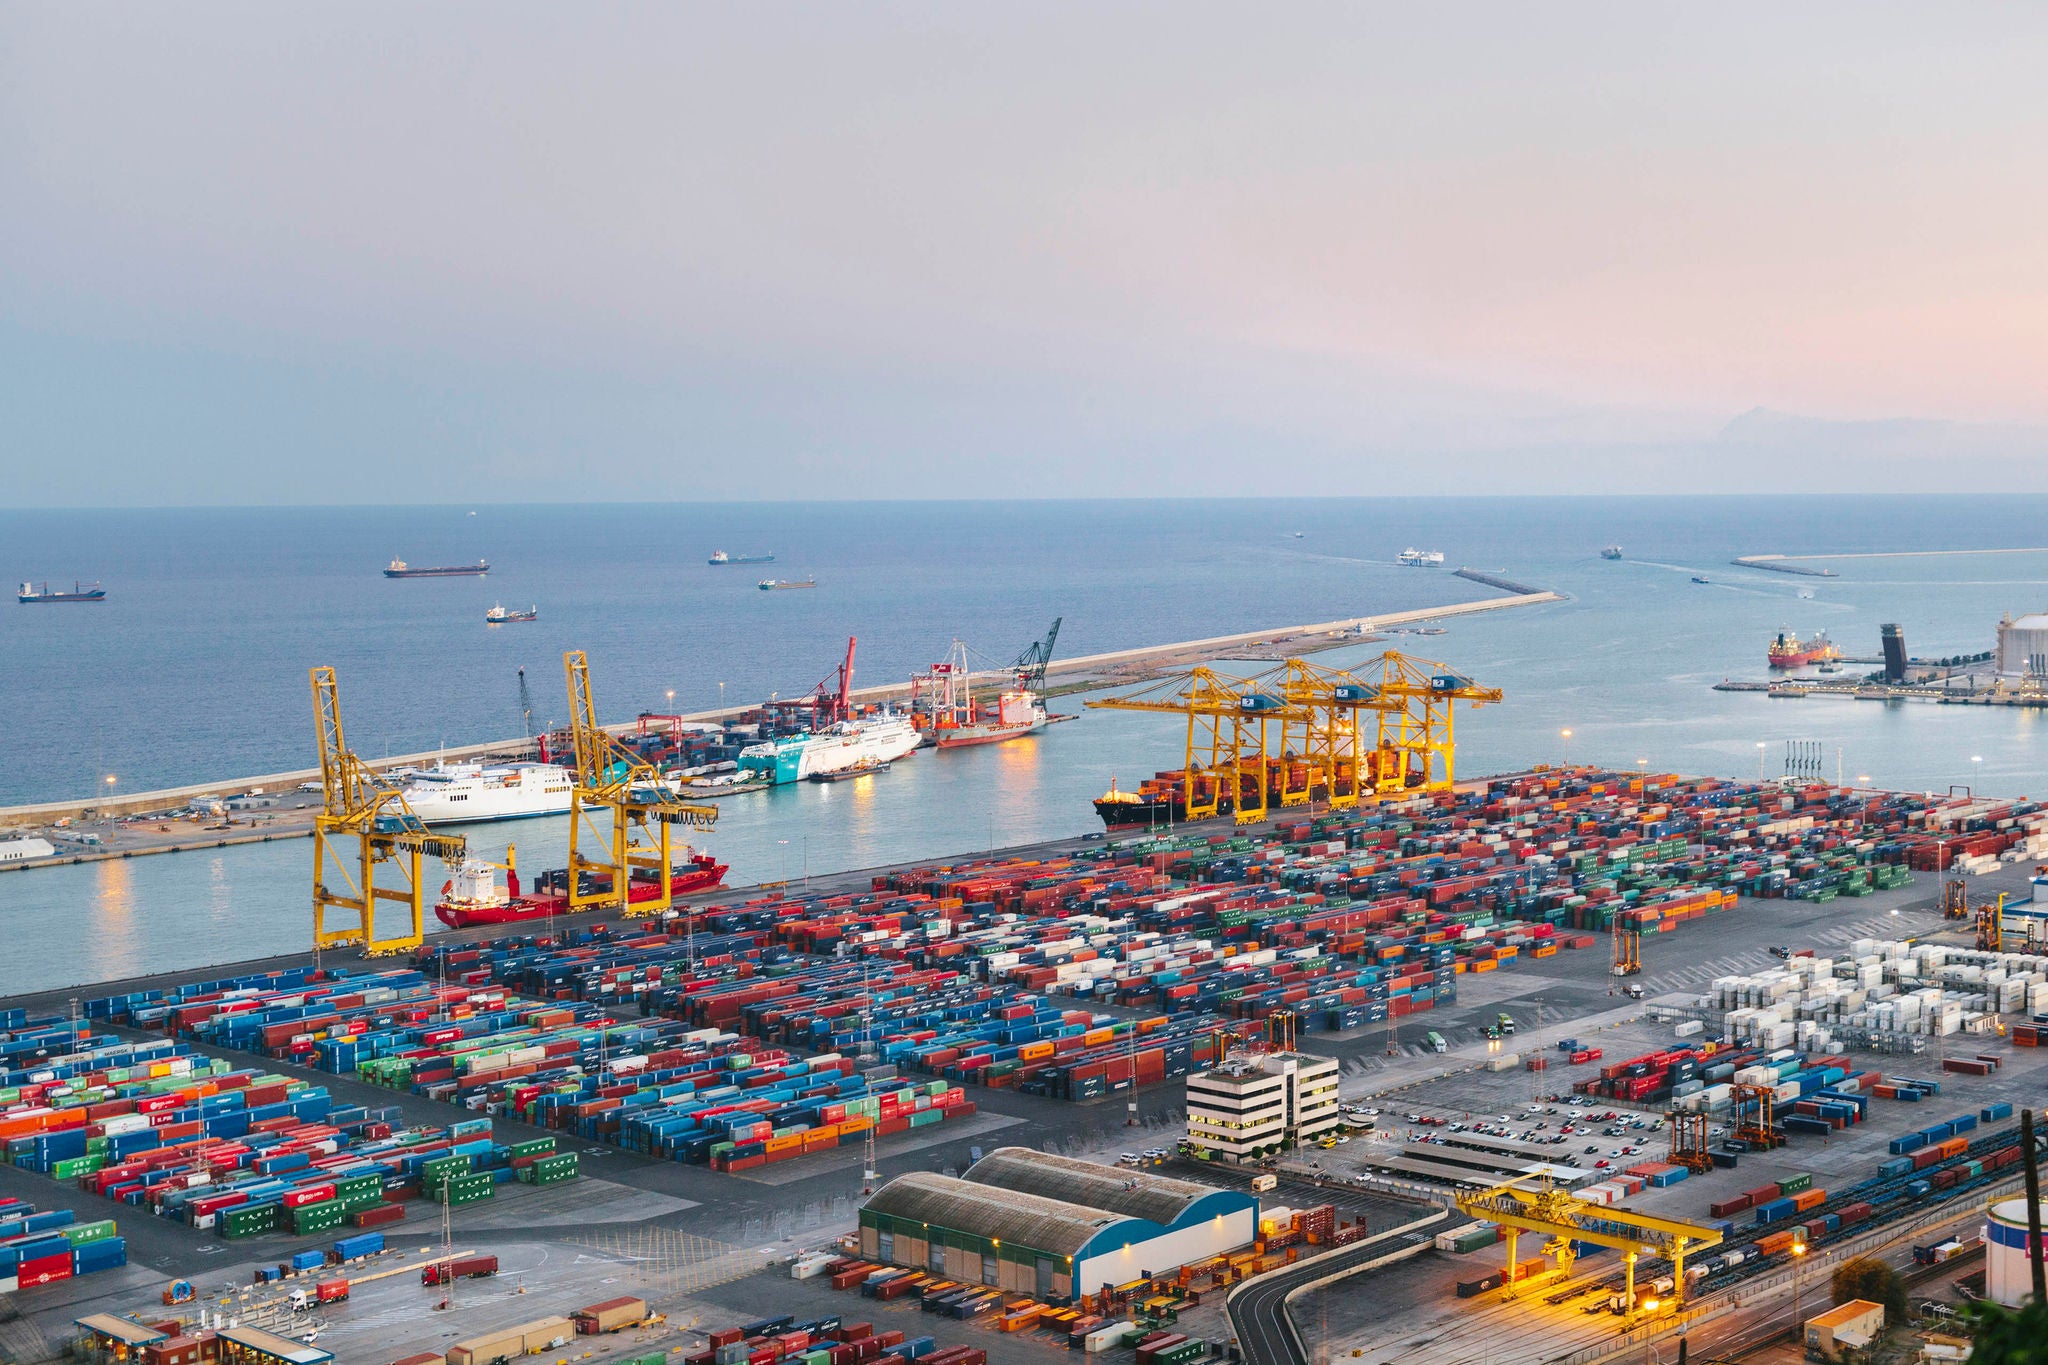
[[289, 253]]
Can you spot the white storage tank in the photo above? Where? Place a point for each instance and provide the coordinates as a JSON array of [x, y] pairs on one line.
[[2007, 1276]]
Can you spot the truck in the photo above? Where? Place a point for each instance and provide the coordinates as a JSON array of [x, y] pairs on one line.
[[613, 1315], [1261, 1184], [1435, 1041], [1506, 1024], [461, 1268]]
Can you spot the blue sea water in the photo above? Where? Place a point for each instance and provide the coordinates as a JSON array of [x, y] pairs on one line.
[[195, 668]]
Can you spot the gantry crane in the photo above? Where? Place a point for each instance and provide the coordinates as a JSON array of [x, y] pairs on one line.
[[1519, 1207], [1628, 944], [608, 776], [1299, 732], [360, 804]]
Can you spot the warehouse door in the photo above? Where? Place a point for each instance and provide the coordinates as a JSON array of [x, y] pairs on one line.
[[1044, 1294]]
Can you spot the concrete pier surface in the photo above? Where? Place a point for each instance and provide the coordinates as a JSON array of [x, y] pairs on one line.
[[292, 816]]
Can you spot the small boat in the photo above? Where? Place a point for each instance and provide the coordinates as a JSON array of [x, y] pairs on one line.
[[80, 592], [498, 616], [721, 557], [398, 568], [1806, 594], [779, 584], [1420, 559], [862, 769], [1697, 579], [1611, 552], [1299, 534]]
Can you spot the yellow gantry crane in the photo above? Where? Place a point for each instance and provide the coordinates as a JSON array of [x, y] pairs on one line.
[[1300, 732], [361, 805], [609, 776], [1548, 1211]]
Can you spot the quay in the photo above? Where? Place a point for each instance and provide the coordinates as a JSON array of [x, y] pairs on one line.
[[292, 815]]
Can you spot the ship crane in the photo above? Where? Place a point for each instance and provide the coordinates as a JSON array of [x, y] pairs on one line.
[[1299, 732], [831, 701], [359, 804], [644, 809]]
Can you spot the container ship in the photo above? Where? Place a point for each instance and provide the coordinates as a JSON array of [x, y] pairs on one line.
[[498, 616], [469, 793], [473, 897], [1163, 798], [1789, 651], [398, 568], [943, 706], [721, 557], [40, 592]]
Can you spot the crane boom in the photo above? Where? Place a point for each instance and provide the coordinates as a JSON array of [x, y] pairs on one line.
[[1031, 663]]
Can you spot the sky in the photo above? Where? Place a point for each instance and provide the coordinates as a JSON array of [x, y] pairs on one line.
[[294, 253]]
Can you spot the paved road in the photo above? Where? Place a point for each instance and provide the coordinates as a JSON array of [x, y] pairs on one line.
[[1258, 1311]]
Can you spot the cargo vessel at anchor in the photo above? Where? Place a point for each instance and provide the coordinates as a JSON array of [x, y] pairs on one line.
[[398, 568], [1789, 651], [473, 896], [80, 592]]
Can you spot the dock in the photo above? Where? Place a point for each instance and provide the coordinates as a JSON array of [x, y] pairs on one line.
[[1782, 564], [293, 817]]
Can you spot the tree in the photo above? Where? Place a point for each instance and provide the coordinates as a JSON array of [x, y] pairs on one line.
[[2008, 1336], [1866, 1277]]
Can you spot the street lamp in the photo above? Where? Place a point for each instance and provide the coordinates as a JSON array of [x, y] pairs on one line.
[[1567, 736], [1975, 759], [785, 860], [1798, 1254], [721, 696], [1760, 760], [671, 700]]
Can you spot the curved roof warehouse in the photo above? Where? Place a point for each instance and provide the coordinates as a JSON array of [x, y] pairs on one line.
[[1051, 1227]]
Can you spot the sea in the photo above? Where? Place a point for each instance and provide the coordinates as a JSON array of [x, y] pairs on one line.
[[195, 669]]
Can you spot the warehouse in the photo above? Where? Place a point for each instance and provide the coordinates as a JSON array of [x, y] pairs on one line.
[[1051, 1227]]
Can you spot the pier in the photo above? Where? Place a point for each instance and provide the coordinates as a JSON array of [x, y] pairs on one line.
[[1783, 564]]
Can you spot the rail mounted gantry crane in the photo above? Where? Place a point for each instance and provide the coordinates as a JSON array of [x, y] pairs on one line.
[[359, 804], [1541, 1208], [608, 776], [1299, 732]]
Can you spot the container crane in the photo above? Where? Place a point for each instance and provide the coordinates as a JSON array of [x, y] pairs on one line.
[[1031, 663], [1564, 1219], [609, 776], [359, 803], [1299, 732]]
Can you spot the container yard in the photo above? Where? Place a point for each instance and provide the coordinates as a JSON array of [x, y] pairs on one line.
[[708, 1069]]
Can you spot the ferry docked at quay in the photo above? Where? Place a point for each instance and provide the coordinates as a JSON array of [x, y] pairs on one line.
[[470, 793]]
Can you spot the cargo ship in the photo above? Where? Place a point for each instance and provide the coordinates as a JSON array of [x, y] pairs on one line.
[[783, 584], [1789, 651], [40, 592], [721, 557], [1163, 798], [398, 568], [1420, 559], [498, 616], [942, 704], [473, 897], [470, 793]]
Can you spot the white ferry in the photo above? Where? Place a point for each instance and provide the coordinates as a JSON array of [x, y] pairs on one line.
[[1420, 559], [463, 793], [865, 741]]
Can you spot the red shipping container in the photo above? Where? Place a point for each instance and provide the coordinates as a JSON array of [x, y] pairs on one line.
[[45, 1270]]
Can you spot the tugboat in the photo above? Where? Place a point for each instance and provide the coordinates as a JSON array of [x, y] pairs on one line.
[[398, 568], [498, 616], [32, 592]]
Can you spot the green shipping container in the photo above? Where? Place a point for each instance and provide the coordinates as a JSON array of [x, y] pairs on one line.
[[248, 1222], [79, 1233], [533, 1147]]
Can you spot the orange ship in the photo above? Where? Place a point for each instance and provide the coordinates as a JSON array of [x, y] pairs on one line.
[[1789, 651]]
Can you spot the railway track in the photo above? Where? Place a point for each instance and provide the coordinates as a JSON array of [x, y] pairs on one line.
[[1266, 1334]]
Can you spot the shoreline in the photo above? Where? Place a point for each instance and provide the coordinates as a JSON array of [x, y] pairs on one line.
[[1113, 668]]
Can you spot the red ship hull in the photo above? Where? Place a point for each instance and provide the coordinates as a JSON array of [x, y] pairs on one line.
[[699, 874]]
